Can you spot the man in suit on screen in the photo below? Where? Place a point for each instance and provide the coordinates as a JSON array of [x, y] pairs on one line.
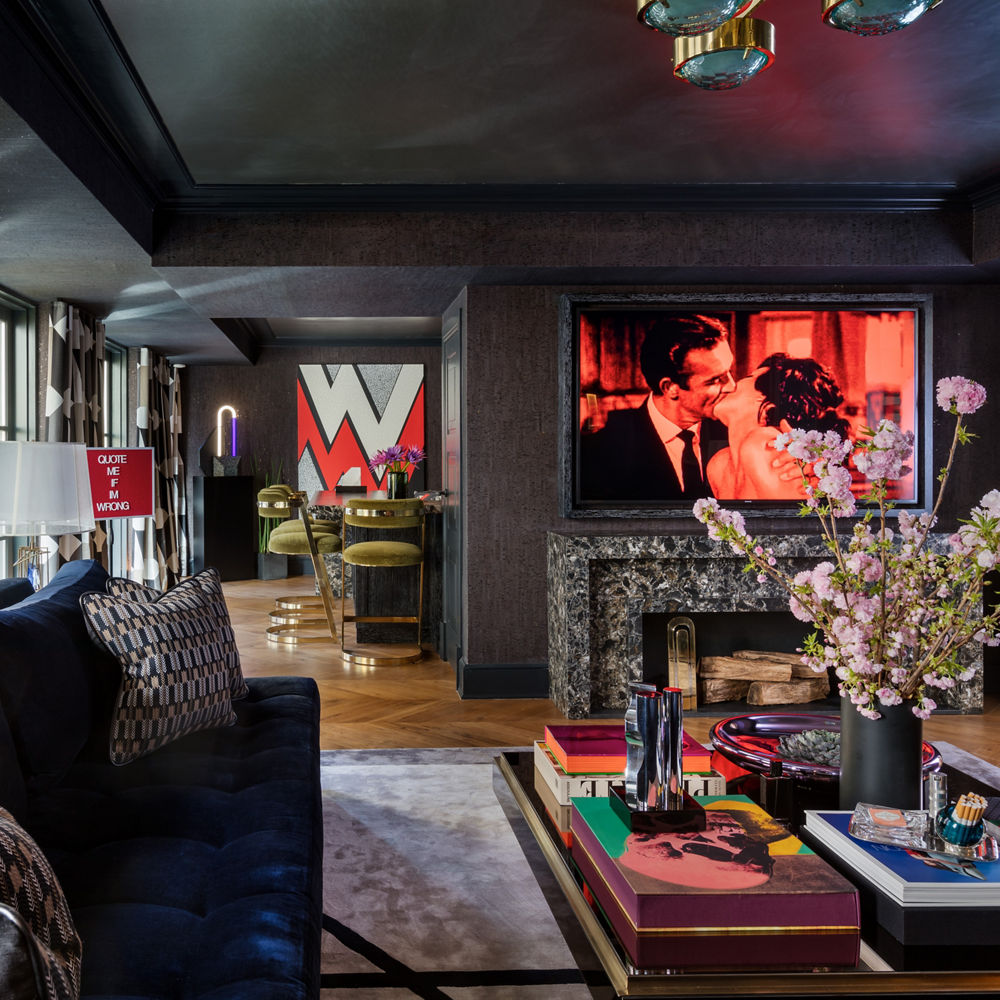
[[658, 450]]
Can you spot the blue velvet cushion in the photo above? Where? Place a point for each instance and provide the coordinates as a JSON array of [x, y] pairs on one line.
[[196, 872], [51, 676], [14, 590]]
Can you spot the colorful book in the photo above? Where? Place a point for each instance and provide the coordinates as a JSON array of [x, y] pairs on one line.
[[742, 893], [565, 786], [558, 815], [600, 749], [907, 880]]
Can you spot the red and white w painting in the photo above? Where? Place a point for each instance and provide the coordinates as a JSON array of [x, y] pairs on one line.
[[346, 413]]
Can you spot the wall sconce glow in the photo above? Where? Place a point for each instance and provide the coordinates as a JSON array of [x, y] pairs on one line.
[[218, 430]]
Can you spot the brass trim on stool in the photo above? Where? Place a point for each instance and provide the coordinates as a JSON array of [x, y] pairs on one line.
[[305, 602], [367, 657], [374, 660], [291, 632], [294, 618], [285, 633]]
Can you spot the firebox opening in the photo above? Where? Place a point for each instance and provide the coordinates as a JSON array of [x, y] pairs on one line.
[[721, 634]]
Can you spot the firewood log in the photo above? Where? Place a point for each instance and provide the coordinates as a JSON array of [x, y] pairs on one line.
[[788, 692], [715, 689], [741, 669]]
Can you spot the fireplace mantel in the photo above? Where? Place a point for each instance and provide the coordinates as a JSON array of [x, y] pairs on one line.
[[599, 587]]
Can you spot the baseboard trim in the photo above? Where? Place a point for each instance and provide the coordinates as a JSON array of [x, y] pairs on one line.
[[502, 680]]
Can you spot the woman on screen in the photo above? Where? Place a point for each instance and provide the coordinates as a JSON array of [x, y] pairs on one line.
[[782, 394]]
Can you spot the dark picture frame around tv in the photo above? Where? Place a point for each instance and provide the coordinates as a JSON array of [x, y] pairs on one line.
[[872, 352]]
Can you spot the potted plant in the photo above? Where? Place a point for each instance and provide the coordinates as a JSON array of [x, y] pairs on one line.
[[892, 611], [398, 461], [270, 565]]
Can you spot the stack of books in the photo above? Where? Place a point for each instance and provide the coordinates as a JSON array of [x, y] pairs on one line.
[[742, 893], [585, 760], [919, 904]]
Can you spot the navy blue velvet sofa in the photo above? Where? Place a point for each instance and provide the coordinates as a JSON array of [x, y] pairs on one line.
[[193, 873]]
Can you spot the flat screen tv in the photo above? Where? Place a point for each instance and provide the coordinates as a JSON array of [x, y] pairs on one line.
[[730, 373]]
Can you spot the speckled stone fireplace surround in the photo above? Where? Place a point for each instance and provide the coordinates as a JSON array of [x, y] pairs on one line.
[[599, 587]]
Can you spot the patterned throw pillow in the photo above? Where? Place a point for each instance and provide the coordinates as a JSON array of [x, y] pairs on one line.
[[28, 885], [175, 668], [208, 580]]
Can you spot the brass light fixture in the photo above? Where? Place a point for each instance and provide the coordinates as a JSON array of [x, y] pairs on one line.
[[717, 46], [690, 17], [726, 57], [874, 17]]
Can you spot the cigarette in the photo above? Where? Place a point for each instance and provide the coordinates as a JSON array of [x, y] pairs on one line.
[[969, 809]]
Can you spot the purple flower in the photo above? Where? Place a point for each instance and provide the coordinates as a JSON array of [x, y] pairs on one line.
[[396, 458]]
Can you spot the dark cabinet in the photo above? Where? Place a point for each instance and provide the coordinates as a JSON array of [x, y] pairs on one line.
[[225, 526]]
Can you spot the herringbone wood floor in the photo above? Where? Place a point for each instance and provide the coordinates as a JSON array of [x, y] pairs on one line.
[[417, 705]]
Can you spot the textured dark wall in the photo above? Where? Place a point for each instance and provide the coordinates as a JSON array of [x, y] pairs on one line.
[[511, 492], [264, 397]]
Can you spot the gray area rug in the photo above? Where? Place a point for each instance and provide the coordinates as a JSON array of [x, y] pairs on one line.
[[428, 890]]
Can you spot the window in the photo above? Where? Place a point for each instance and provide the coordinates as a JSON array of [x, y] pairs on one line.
[[17, 387]]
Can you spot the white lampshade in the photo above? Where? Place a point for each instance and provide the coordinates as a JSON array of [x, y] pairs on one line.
[[44, 489]]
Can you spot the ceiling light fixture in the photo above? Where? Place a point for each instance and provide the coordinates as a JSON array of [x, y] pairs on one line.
[[874, 17], [690, 17], [717, 46], [726, 57]]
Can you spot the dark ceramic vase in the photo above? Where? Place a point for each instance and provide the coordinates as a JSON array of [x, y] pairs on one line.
[[881, 760], [272, 566], [396, 485]]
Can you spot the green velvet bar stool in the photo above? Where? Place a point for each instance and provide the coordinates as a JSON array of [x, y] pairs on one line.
[[295, 618], [272, 503], [383, 555]]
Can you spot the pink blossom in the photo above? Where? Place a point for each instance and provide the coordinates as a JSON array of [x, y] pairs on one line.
[[706, 509], [960, 395], [990, 504]]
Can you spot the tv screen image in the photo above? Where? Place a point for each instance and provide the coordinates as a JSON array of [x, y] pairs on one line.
[[675, 401]]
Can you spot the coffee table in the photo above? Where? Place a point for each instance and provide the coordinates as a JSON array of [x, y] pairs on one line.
[[875, 976]]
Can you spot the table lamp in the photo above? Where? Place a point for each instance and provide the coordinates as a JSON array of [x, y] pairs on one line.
[[44, 490]]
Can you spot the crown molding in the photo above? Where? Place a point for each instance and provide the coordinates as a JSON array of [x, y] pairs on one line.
[[247, 199]]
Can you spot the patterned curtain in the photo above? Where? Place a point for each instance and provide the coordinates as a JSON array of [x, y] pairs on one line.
[[74, 408], [159, 544]]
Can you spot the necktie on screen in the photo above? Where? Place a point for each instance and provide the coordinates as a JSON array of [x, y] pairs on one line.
[[694, 485]]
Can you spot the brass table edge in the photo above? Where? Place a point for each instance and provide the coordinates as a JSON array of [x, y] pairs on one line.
[[610, 962], [740, 982]]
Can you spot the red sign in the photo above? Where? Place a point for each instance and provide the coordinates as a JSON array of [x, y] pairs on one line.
[[121, 482]]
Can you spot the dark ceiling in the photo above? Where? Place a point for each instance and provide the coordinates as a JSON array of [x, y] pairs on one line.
[[235, 105]]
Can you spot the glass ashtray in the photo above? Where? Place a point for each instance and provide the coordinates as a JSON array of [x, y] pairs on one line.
[[911, 829], [908, 828]]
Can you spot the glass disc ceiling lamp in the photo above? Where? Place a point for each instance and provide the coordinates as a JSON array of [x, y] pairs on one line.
[[874, 17], [718, 47], [690, 17]]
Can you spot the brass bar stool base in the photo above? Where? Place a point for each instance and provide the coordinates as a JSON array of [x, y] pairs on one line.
[[297, 618], [301, 603], [292, 634], [366, 658]]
